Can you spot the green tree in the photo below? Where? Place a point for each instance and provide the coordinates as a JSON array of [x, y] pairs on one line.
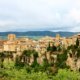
[[45, 64], [18, 62], [35, 64], [35, 55], [26, 56], [2, 56], [66, 74], [8, 55], [77, 42], [49, 47], [61, 60]]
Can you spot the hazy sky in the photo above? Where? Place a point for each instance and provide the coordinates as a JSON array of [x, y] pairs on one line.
[[27, 15]]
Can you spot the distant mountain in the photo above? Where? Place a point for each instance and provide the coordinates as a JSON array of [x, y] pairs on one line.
[[39, 33]]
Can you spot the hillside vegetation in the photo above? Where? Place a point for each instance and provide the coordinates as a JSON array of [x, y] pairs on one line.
[[66, 66]]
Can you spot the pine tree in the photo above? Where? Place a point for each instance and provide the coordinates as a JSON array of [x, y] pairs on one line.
[[49, 47], [77, 42]]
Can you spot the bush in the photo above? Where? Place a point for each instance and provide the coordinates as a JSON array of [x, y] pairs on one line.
[[21, 74], [66, 74]]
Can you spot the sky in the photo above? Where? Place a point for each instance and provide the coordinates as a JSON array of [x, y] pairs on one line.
[[40, 15]]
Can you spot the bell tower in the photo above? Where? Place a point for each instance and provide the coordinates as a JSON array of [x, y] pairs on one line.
[[11, 37]]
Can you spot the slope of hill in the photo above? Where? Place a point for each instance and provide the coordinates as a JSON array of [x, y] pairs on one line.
[[39, 33]]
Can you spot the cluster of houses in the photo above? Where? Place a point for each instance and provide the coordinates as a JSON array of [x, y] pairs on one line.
[[20, 44]]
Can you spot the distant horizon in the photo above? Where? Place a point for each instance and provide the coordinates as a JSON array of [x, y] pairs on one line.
[[37, 34], [40, 31]]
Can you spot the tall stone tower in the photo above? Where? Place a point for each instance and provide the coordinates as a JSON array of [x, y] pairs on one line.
[[11, 37], [57, 36]]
